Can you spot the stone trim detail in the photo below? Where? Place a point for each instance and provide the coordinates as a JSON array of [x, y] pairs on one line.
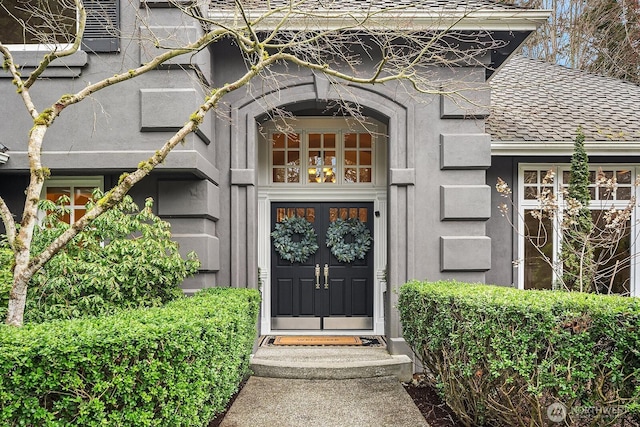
[[465, 151], [402, 177], [465, 202], [465, 253], [243, 177]]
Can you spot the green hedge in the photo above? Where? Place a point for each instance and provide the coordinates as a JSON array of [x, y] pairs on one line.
[[177, 365], [502, 356]]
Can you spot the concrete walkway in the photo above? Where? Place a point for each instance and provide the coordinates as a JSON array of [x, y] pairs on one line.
[[325, 387], [359, 402]]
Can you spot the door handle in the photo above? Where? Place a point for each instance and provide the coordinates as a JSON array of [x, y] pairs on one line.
[[326, 276], [317, 276]]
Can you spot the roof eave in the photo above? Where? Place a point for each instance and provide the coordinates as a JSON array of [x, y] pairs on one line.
[[488, 20], [564, 148]]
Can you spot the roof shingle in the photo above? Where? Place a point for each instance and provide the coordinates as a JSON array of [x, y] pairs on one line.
[[535, 101]]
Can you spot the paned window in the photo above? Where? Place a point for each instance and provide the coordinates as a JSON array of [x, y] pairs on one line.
[[77, 193], [611, 189], [31, 24], [331, 158], [28, 22]]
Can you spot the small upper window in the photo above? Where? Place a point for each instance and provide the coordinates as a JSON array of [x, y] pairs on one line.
[[77, 191], [37, 22], [51, 24]]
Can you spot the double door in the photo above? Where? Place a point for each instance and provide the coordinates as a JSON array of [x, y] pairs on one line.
[[322, 292]]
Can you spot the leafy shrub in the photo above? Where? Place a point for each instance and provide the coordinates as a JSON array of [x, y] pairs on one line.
[[6, 279], [501, 356], [176, 365], [125, 259]]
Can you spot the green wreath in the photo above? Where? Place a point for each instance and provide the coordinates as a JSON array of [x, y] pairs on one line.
[[286, 247], [348, 252]]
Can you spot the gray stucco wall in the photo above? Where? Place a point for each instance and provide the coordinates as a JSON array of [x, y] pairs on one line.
[[117, 127], [438, 197]]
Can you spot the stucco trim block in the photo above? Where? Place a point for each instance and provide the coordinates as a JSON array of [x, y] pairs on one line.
[[243, 177], [402, 177], [465, 202], [465, 253], [465, 151], [189, 198]]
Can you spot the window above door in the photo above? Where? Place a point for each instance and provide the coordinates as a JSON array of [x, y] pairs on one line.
[[330, 156]]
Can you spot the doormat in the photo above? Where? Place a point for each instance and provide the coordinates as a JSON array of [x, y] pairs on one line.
[[313, 340]]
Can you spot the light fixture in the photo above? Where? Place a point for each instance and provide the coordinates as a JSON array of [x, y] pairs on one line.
[[4, 156]]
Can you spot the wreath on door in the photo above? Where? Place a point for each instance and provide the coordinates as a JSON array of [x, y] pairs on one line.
[[348, 251], [285, 245]]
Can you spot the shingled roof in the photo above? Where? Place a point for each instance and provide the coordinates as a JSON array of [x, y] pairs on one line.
[[535, 101]]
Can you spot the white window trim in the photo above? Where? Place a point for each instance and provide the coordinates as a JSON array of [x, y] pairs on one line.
[[523, 205], [71, 181]]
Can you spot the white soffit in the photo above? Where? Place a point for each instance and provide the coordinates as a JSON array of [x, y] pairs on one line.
[[564, 148]]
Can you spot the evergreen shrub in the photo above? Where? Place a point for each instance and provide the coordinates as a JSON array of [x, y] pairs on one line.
[[176, 365], [502, 356]]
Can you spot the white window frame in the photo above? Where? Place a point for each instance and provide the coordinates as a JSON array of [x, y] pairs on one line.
[[71, 181], [524, 205]]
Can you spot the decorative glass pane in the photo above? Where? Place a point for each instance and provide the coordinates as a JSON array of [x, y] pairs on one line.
[[293, 158], [530, 193], [365, 175], [365, 158], [82, 195], [54, 193], [311, 215], [623, 177], [314, 140], [350, 140], [280, 214], [362, 214], [314, 174], [278, 158], [333, 214], [351, 175], [278, 175], [329, 140], [293, 175], [278, 140], [344, 213], [530, 177], [353, 212], [293, 141], [350, 157], [330, 158], [623, 193], [365, 140], [329, 174]]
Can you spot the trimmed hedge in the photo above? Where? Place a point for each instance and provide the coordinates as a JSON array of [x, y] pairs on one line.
[[176, 365], [501, 356]]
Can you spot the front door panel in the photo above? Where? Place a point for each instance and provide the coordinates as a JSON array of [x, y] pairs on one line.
[[322, 292]]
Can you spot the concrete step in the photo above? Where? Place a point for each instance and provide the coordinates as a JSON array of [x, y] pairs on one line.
[[329, 362]]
